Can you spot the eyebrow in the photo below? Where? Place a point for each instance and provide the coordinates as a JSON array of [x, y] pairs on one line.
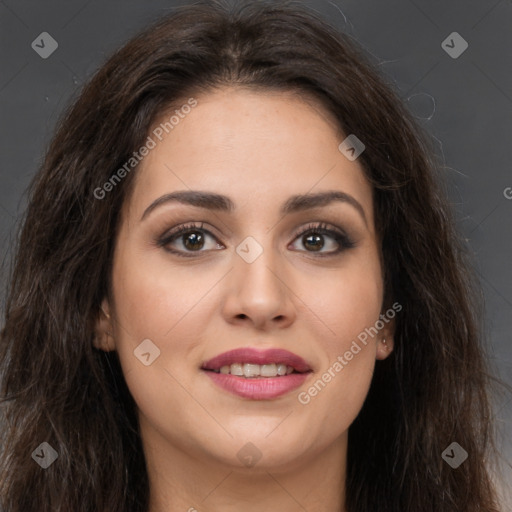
[[219, 202]]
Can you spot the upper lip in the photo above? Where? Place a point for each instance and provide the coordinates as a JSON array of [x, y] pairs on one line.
[[251, 355]]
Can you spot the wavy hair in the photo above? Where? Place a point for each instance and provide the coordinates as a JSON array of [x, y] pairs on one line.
[[57, 388]]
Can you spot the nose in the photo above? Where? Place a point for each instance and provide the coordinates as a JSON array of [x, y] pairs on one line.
[[259, 293]]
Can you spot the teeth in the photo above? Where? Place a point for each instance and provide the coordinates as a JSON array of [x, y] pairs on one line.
[[281, 369], [236, 369], [250, 370], [268, 370]]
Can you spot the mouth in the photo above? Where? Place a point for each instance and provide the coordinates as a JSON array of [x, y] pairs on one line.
[[256, 374]]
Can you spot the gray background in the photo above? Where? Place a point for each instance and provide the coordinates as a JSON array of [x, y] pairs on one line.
[[465, 103]]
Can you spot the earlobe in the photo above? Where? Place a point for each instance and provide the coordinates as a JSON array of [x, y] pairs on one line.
[[385, 343], [384, 348], [104, 339]]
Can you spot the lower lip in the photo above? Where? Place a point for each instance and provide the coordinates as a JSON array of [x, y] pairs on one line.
[[255, 388]]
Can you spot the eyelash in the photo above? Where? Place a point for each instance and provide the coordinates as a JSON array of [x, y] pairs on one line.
[[342, 239]]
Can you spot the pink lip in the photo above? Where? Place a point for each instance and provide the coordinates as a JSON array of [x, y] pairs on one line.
[[264, 388], [250, 355]]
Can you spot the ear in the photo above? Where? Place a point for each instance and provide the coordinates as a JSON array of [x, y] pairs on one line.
[[385, 340], [104, 339]]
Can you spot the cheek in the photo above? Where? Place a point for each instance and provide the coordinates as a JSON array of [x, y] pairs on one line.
[[154, 299], [158, 303], [351, 300], [350, 305], [149, 306]]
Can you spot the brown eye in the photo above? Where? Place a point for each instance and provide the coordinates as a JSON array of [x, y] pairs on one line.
[[316, 236], [315, 242], [193, 240], [188, 239]]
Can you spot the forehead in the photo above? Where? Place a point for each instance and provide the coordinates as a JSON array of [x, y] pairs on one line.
[[257, 147]]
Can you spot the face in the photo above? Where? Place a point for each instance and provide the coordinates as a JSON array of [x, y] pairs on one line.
[[270, 272]]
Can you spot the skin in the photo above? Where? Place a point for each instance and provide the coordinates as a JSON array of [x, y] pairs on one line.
[[258, 149]]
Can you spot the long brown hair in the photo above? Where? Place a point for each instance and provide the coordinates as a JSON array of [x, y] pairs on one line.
[[433, 390]]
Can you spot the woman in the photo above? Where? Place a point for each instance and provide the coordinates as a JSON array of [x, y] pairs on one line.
[[238, 283]]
